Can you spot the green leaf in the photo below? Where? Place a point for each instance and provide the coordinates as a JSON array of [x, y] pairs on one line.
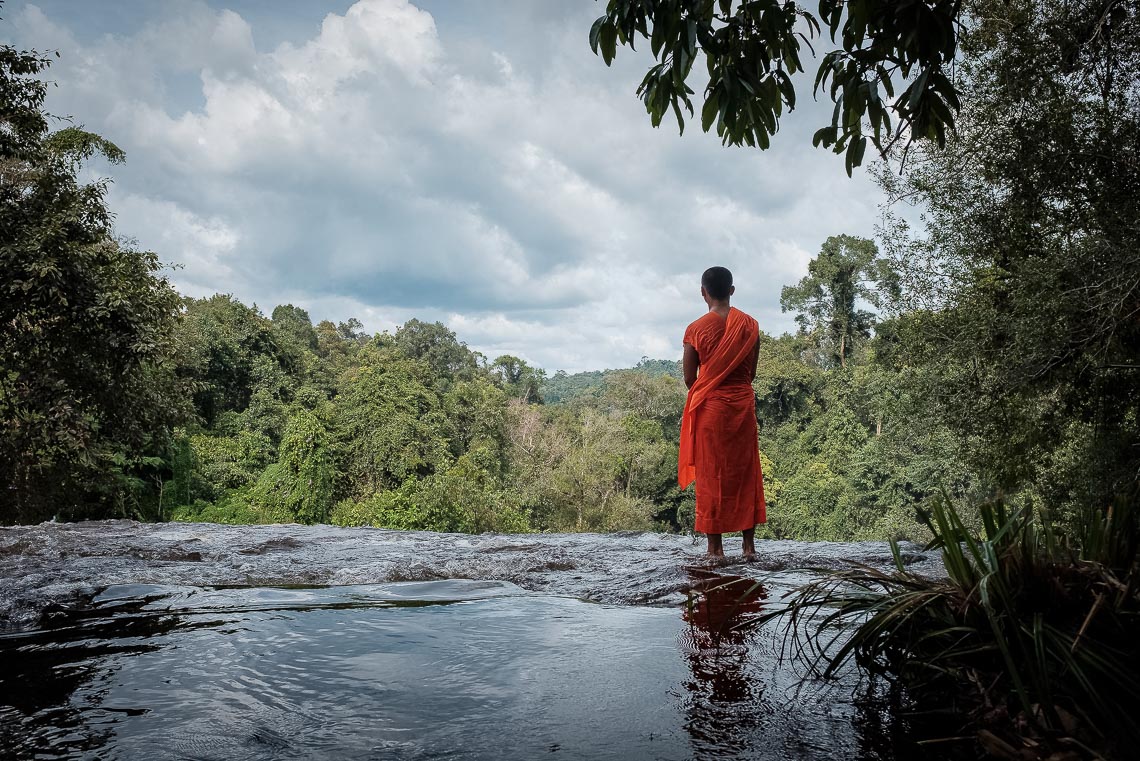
[[860, 147], [885, 78], [854, 155], [787, 89], [680, 118], [595, 30], [824, 136], [607, 39], [657, 39], [710, 110], [916, 91]]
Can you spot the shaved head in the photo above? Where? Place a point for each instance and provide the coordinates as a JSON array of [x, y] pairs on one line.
[[717, 282]]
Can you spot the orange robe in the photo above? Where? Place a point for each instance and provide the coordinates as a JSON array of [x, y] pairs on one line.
[[719, 446]]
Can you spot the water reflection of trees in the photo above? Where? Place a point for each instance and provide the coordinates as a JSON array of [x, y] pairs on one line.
[[723, 705], [43, 673]]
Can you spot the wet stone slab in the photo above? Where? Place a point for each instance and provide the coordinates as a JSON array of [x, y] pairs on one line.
[[54, 565]]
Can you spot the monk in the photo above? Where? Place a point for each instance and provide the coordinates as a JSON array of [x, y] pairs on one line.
[[719, 446]]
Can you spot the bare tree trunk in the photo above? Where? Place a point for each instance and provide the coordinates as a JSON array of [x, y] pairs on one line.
[[160, 489]]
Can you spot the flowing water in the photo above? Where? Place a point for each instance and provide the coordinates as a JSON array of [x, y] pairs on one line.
[[126, 640]]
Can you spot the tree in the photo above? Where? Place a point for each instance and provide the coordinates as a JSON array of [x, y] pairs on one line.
[[847, 270], [785, 385], [476, 410], [518, 378], [752, 51], [658, 398], [87, 392], [574, 470], [294, 325], [436, 345], [299, 486], [391, 422], [229, 351], [1023, 284]]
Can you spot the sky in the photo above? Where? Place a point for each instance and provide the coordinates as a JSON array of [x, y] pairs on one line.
[[467, 162]]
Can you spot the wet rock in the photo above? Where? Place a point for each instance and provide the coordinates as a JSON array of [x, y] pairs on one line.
[[62, 564]]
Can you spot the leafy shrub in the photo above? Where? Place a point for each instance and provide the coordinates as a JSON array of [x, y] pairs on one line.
[[388, 509], [234, 511]]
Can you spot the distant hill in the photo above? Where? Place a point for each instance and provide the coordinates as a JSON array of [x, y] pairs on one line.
[[563, 387]]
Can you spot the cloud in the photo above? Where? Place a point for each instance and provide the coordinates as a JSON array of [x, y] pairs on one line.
[[203, 248], [400, 160]]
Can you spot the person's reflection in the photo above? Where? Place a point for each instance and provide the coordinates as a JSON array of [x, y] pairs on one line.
[[722, 703]]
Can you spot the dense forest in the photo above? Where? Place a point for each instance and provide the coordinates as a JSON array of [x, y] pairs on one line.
[[294, 422], [282, 420]]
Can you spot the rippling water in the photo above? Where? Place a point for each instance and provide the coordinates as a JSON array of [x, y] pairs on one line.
[[134, 641]]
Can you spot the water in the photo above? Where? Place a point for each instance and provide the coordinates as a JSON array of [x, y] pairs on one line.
[[132, 641]]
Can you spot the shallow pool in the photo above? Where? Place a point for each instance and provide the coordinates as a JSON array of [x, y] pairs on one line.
[[421, 670]]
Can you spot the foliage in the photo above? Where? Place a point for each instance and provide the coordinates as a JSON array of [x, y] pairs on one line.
[[752, 51], [518, 378], [435, 346], [229, 353], [466, 498], [87, 393], [847, 271], [1030, 626], [390, 421], [299, 486], [408, 430], [848, 453], [209, 466], [387, 509], [565, 387], [578, 471], [293, 327], [1022, 286], [77, 145]]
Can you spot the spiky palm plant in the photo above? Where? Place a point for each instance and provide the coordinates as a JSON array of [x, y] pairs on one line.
[[1031, 623]]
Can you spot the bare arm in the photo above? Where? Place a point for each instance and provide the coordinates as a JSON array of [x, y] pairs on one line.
[[755, 360], [689, 365]]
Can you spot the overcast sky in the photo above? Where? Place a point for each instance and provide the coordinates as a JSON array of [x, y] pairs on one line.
[[468, 162]]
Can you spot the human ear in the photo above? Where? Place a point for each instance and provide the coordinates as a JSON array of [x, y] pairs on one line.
[[731, 289]]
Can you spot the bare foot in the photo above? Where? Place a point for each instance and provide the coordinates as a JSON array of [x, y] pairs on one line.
[[750, 545]]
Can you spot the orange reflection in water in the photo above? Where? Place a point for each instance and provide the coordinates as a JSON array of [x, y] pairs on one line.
[[722, 607], [721, 701]]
